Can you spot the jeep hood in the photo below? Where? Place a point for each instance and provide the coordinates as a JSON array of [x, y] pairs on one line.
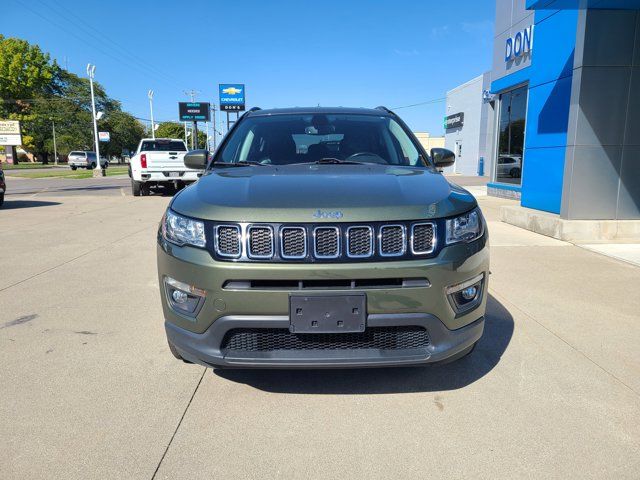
[[322, 193]]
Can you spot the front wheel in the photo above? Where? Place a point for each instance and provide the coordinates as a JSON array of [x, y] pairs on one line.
[[74, 168], [1, 199]]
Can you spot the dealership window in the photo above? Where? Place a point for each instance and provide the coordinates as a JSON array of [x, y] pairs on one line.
[[513, 110]]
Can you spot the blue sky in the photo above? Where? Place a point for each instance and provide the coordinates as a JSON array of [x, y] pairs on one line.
[[288, 53]]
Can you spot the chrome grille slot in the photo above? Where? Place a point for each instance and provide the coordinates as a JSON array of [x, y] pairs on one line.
[[392, 240], [293, 242], [422, 238], [359, 241], [227, 241], [260, 239], [326, 242]]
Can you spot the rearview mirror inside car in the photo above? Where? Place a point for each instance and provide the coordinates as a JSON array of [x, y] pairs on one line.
[[442, 157], [196, 159]]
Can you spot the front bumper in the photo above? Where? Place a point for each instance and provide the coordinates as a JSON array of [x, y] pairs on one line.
[[206, 349]]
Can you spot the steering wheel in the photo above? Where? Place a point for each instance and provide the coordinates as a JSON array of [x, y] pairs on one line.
[[376, 158]]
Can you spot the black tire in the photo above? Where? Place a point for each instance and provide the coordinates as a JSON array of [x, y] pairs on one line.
[[74, 168], [92, 166], [106, 165], [1, 199], [136, 189], [129, 171], [515, 173], [145, 189]]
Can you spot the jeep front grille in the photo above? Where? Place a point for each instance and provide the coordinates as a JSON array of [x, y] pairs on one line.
[[274, 339], [326, 242], [227, 241], [260, 241]]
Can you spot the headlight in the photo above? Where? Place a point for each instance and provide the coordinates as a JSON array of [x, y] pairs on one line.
[[465, 228], [182, 230]]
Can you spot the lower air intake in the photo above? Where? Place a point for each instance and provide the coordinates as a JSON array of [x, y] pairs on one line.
[[270, 339]]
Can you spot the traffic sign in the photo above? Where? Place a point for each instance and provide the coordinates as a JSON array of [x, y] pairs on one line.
[[231, 96], [194, 111]]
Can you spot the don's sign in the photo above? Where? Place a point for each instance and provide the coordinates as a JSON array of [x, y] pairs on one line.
[[194, 111], [231, 96], [10, 132], [519, 45]]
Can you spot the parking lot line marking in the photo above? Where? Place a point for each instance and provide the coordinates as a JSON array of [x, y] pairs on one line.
[[122, 191], [204, 370]]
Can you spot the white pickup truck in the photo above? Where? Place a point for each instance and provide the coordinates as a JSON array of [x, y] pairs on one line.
[[160, 162]]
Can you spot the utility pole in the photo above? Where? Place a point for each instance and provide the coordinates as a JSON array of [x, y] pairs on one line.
[[153, 127], [55, 148], [185, 134], [91, 72], [213, 108]]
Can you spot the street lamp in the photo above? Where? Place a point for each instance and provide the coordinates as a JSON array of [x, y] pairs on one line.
[[91, 71], [153, 129]]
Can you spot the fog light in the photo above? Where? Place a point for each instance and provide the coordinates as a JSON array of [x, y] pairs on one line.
[[466, 296], [179, 296], [184, 298], [469, 293]]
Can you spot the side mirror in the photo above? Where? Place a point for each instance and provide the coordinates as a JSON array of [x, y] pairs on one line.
[[196, 159], [442, 157]]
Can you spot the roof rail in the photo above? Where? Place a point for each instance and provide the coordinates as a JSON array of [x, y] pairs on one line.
[[247, 112], [385, 109]]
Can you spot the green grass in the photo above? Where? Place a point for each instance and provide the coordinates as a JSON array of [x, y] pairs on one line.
[[68, 173], [24, 166]]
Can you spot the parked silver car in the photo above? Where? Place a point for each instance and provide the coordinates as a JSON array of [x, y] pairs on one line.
[[83, 159]]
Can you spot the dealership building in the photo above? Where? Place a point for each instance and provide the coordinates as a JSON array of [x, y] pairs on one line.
[[557, 119]]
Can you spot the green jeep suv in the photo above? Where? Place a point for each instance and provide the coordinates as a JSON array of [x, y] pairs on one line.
[[322, 237]]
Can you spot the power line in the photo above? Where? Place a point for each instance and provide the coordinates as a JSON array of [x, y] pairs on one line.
[[79, 23], [104, 52], [428, 102]]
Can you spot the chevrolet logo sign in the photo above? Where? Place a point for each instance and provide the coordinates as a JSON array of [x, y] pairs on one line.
[[232, 90]]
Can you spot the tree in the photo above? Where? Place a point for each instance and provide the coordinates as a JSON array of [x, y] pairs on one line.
[[36, 91], [176, 130]]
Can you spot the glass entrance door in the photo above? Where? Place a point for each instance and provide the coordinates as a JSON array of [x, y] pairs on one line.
[[513, 111]]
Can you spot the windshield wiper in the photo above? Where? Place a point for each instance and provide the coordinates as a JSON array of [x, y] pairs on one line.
[[242, 163]]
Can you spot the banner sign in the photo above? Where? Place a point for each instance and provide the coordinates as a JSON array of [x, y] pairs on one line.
[[104, 136], [231, 97], [10, 132], [194, 111], [454, 121]]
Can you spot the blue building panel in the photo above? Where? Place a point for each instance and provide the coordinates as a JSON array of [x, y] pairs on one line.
[[548, 115], [542, 178]]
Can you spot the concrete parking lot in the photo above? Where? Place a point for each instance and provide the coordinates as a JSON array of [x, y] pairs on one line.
[[90, 390]]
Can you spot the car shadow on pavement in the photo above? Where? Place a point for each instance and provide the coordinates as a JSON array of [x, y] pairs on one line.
[[15, 204], [497, 335]]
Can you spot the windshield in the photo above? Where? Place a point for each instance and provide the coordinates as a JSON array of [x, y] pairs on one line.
[[162, 146], [307, 138]]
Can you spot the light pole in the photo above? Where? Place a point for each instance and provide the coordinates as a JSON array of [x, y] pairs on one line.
[[91, 71], [153, 129], [55, 148]]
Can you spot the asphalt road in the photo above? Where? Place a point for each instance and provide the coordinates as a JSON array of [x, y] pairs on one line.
[[90, 390]]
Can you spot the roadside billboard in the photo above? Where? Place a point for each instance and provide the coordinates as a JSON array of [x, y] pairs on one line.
[[10, 132], [194, 111], [231, 97]]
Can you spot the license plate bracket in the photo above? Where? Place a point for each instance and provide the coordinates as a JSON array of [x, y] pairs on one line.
[[174, 174], [327, 313]]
